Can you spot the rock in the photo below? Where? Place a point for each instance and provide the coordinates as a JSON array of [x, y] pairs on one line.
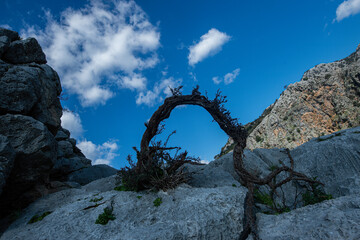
[[65, 149], [62, 134], [4, 44], [36, 152], [91, 173], [13, 36], [209, 176], [185, 213], [24, 51], [334, 159], [326, 100], [31, 90], [333, 219], [7, 158]]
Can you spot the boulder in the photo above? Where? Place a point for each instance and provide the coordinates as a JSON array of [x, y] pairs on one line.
[[31, 90], [4, 44], [36, 152], [91, 173], [24, 51], [12, 35], [184, 213], [7, 157], [333, 219]]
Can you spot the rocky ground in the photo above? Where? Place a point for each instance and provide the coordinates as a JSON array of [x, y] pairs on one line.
[[210, 206]]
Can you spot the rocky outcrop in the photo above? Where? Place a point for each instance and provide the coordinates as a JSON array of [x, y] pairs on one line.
[[326, 100], [37, 156], [210, 206]]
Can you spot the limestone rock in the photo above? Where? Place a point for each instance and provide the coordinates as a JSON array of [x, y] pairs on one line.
[[4, 44], [13, 36], [36, 152], [326, 100], [24, 51], [7, 157], [88, 174], [333, 219], [31, 90], [185, 213]]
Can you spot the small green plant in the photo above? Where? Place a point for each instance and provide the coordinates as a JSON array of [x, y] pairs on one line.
[[298, 130], [234, 185], [37, 218], [138, 197], [96, 199], [273, 167], [122, 188], [258, 139], [105, 217], [315, 195], [157, 201], [263, 198]]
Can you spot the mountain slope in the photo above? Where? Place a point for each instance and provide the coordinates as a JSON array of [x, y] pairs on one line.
[[327, 99]]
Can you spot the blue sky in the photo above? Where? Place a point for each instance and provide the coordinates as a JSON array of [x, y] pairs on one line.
[[117, 58]]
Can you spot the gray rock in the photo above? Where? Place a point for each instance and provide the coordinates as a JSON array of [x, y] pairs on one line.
[[24, 51], [7, 158], [209, 176], [65, 149], [4, 44], [13, 36], [334, 159], [185, 213], [333, 219], [65, 166], [92, 173], [62, 134], [36, 151], [31, 90]]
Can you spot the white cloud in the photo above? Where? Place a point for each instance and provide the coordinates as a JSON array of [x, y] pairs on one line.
[[216, 80], [228, 78], [152, 97], [209, 44], [72, 122], [101, 45], [347, 8], [99, 154], [5, 26]]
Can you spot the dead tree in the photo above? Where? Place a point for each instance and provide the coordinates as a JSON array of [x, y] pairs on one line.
[[233, 129]]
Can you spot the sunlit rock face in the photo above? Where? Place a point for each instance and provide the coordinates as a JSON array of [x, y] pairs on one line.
[[326, 100]]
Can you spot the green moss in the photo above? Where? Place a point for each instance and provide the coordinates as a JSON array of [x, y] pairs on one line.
[[96, 199], [105, 217], [234, 185], [273, 167], [138, 197], [263, 198], [37, 218], [316, 195], [122, 188], [157, 201]]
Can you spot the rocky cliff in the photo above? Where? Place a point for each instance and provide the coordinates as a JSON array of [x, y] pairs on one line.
[[327, 99], [37, 156]]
